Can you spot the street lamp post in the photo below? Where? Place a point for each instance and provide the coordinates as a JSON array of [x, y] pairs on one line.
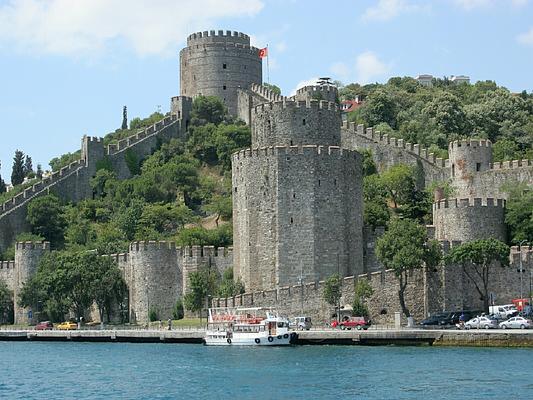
[[521, 270]]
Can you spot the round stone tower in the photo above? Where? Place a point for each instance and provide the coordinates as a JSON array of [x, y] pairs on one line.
[[294, 123], [469, 219], [297, 210], [156, 279], [318, 92], [468, 158], [217, 63], [27, 257]]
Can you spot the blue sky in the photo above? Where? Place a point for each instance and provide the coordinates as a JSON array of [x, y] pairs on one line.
[[68, 66]]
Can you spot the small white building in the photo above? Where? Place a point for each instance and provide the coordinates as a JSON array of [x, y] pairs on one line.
[[460, 79], [425, 79]]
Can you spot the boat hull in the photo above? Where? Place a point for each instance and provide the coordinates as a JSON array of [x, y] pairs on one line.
[[280, 340]]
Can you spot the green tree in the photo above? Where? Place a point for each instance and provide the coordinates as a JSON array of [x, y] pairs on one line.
[[17, 174], [380, 107], [124, 118], [28, 167], [6, 304], [519, 213], [221, 207], [333, 291], [45, 216], [207, 109], [273, 88], [39, 172], [107, 287], [178, 312], [363, 290], [403, 248], [3, 187], [228, 286], [202, 285], [478, 258]]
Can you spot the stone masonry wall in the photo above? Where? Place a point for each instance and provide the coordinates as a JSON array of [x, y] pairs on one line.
[[7, 273]]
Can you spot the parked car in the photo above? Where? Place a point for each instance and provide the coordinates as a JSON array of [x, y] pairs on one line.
[[354, 322], [517, 323], [481, 322], [455, 317], [301, 323], [44, 326], [67, 326], [436, 319]]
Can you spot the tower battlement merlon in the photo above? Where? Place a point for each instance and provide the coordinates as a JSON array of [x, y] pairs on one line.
[[10, 264], [204, 251], [217, 35], [469, 143], [32, 245], [303, 150], [151, 245], [318, 92], [512, 164], [469, 202], [286, 104]]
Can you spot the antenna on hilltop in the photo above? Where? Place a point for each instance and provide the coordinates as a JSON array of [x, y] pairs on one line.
[[324, 81]]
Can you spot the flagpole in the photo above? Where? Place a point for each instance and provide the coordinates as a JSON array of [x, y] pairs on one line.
[[268, 68]]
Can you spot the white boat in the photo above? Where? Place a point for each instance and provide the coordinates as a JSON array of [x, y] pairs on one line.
[[247, 327]]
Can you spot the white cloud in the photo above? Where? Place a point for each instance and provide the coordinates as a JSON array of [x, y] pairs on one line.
[[472, 4], [386, 10], [281, 46], [526, 37], [88, 27], [366, 68]]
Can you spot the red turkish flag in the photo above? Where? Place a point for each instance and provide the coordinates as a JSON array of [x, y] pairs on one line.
[[263, 52]]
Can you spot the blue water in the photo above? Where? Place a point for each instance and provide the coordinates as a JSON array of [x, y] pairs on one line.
[[172, 371]]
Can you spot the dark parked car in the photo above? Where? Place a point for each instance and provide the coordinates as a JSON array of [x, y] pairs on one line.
[[44, 326], [436, 319], [453, 318]]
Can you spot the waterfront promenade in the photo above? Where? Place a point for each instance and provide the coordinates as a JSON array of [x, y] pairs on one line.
[[440, 337]]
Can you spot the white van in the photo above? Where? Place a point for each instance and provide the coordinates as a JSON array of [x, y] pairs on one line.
[[302, 323], [504, 311]]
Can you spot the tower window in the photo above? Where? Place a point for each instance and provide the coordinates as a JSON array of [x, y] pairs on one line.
[[291, 142], [224, 66], [319, 182], [335, 182], [291, 220], [303, 121], [224, 87], [478, 166], [453, 169], [235, 189]]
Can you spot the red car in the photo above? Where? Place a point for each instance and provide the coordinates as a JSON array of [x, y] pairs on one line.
[[353, 322], [44, 326]]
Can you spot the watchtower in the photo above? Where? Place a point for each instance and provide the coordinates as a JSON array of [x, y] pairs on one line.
[[297, 198], [467, 159], [27, 257], [217, 63]]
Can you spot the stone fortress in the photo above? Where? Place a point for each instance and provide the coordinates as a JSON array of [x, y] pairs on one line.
[[297, 200]]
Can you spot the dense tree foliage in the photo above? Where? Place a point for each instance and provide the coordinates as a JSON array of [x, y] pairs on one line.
[[6, 304], [202, 286], [363, 290], [45, 215], [72, 281], [519, 213], [2, 183], [404, 248], [433, 116], [478, 259], [333, 291]]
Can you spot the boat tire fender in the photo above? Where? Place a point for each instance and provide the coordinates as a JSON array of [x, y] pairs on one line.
[[257, 340], [270, 339], [286, 336], [229, 341], [279, 336]]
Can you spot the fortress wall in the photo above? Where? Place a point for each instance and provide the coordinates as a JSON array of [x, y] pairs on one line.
[[7, 273], [387, 152], [142, 144], [297, 214], [490, 182], [370, 237], [156, 279], [290, 123], [469, 219], [249, 98]]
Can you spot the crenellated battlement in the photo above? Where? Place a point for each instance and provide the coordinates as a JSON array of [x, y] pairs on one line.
[[7, 264], [118, 257], [512, 164], [196, 252], [469, 202], [199, 37], [323, 92], [413, 148], [151, 245], [150, 131], [315, 88], [469, 143], [280, 106], [524, 252], [304, 150], [32, 245], [266, 93]]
